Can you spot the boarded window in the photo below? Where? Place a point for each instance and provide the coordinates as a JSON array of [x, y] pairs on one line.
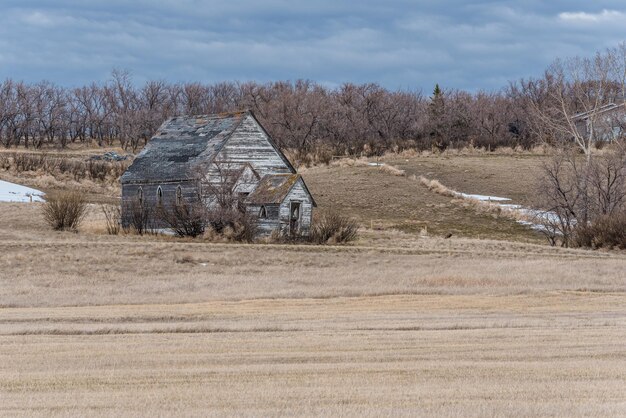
[[140, 195]]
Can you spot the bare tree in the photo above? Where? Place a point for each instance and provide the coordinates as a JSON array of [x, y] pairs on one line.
[[578, 87], [575, 192]]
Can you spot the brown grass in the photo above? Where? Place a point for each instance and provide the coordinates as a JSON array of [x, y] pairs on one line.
[[382, 201], [47, 268], [556, 355], [513, 176], [394, 324]]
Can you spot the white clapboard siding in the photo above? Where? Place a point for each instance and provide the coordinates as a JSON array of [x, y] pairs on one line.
[[298, 193], [250, 144]]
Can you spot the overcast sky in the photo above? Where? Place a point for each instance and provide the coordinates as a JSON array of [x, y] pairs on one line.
[[397, 43]]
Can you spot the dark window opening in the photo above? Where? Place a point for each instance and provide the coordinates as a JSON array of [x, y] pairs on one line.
[[140, 195], [294, 217], [262, 213], [159, 196]]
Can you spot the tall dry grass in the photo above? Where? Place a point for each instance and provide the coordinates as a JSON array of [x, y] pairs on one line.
[[79, 169], [436, 186]]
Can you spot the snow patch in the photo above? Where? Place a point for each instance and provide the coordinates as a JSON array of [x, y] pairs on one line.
[[483, 198], [11, 192], [542, 216]]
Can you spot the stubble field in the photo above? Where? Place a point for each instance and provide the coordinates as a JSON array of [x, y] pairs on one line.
[[395, 324]]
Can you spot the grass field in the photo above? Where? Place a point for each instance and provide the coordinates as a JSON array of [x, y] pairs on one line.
[[396, 324], [377, 198]]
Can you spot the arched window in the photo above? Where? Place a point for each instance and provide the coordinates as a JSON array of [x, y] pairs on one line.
[[262, 212], [179, 195], [140, 195], [159, 195]]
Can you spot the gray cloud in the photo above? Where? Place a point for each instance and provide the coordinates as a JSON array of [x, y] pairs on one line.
[[400, 43]]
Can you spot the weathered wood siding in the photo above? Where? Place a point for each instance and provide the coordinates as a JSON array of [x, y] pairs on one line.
[[247, 181], [265, 227], [130, 193], [249, 144], [298, 193]]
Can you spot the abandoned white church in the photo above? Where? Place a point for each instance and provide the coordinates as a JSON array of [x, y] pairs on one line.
[[189, 157]]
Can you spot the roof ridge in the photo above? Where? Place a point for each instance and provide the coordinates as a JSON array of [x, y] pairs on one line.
[[218, 115]]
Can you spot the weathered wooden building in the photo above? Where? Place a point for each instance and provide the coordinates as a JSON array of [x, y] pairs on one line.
[[605, 123], [196, 158]]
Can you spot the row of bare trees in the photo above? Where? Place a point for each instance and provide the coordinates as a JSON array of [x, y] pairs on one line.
[[307, 118]]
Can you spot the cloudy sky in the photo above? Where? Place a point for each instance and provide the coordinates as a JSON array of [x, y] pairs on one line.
[[397, 43]]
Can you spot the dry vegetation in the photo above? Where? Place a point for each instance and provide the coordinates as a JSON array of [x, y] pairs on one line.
[[560, 355], [383, 201], [513, 176], [60, 171], [396, 323]]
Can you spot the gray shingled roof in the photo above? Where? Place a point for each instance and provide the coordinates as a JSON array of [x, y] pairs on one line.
[[179, 145]]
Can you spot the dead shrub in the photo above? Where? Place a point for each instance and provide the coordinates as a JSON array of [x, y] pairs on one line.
[[92, 169], [112, 217], [137, 217], [245, 228], [5, 161], [330, 227], [65, 210], [29, 162], [77, 169], [184, 219], [606, 232], [97, 170], [234, 224]]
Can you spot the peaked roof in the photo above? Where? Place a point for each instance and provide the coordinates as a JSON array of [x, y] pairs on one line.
[[602, 109], [274, 188], [180, 144]]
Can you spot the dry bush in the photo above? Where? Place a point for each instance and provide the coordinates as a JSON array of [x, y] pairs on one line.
[[245, 229], [98, 171], [65, 210], [29, 162], [138, 217], [184, 219], [215, 223], [332, 227], [112, 217], [606, 232], [5, 161], [584, 193], [231, 224]]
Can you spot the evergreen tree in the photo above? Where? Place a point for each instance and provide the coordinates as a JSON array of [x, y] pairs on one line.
[[436, 109]]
